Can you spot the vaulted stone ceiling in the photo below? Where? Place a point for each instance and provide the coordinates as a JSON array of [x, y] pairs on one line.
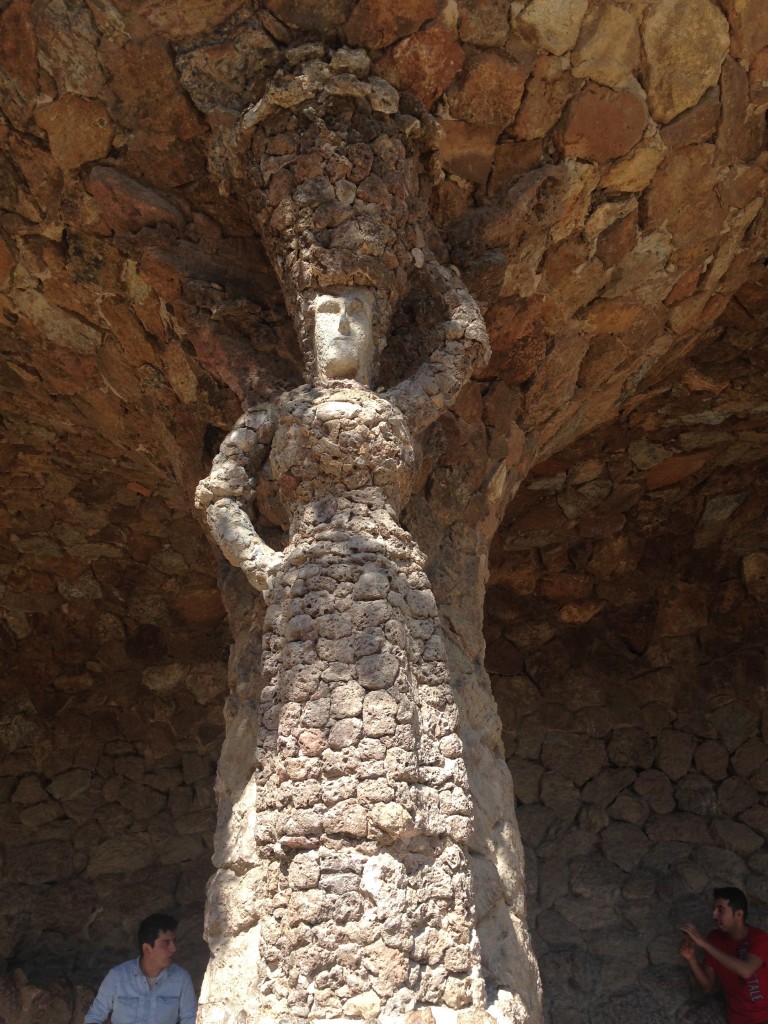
[[601, 185]]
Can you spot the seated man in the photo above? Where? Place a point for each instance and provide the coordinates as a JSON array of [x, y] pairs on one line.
[[735, 954], [151, 989]]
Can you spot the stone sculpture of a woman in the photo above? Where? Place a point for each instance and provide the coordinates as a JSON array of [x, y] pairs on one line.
[[343, 889]]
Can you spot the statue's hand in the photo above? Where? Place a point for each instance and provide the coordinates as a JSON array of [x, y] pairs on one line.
[[241, 545], [261, 568], [227, 480]]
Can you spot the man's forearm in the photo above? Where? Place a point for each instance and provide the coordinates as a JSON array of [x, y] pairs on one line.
[[98, 1012], [704, 979], [187, 1002], [96, 1015], [743, 968]]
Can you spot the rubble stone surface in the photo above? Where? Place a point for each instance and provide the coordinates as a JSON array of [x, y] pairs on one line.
[[624, 291], [350, 829], [649, 716]]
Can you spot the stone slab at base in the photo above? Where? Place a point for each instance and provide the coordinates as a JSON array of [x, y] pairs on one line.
[[507, 1008]]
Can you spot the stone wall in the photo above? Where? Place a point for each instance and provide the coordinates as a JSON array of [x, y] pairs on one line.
[[627, 645], [112, 696], [629, 571], [626, 640]]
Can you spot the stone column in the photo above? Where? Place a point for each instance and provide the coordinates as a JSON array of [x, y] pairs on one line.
[[454, 519], [368, 863]]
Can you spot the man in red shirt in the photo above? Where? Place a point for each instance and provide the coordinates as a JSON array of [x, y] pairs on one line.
[[735, 954]]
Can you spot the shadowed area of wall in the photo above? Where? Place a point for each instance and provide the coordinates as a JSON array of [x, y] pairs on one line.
[[626, 642], [601, 187]]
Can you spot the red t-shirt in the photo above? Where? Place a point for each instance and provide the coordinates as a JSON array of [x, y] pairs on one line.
[[747, 1001]]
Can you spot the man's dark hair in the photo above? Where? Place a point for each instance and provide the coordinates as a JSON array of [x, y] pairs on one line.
[[151, 926], [734, 896]]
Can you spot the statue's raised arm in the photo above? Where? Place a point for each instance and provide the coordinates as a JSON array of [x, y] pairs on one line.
[[435, 386]]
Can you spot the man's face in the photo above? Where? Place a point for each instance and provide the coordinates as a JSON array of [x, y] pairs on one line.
[[157, 957], [724, 916]]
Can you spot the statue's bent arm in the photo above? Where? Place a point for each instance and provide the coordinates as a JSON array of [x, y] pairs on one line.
[[434, 387], [226, 495]]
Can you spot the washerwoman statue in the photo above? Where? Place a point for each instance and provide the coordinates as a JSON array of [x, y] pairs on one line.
[[343, 890]]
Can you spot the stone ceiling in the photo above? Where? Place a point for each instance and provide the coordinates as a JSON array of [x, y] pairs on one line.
[[603, 197], [602, 188], [603, 178]]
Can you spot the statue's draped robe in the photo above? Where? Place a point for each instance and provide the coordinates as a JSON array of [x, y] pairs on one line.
[[358, 808]]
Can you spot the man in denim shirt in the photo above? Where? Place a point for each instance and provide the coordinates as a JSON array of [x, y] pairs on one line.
[[151, 989]]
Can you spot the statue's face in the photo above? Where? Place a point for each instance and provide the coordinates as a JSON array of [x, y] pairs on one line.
[[343, 340]]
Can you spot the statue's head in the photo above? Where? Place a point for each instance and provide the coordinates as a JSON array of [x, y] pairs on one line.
[[342, 332], [342, 185]]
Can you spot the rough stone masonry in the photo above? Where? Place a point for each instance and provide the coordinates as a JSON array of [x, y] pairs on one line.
[[344, 887], [571, 134]]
